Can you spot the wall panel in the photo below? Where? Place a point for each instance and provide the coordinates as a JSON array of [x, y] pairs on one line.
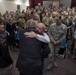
[[65, 3]]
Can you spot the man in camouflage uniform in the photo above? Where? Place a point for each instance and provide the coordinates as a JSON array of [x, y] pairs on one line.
[[57, 33], [74, 42], [68, 22], [46, 19]]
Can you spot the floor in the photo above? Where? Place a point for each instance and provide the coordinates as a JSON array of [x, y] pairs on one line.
[[66, 66]]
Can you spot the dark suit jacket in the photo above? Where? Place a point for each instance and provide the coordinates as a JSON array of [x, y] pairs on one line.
[[10, 28], [31, 53], [5, 59]]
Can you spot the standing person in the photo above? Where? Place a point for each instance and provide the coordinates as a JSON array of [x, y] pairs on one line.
[[68, 22], [57, 33], [74, 43], [32, 52], [10, 27], [43, 38], [5, 59], [17, 34]]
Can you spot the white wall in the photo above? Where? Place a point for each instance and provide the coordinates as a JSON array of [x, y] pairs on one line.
[[10, 5], [7, 5], [66, 3]]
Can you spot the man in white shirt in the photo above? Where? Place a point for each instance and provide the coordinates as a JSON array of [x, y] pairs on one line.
[[41, 29]]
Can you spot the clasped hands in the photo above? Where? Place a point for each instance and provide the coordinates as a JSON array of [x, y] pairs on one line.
[[55, 43]]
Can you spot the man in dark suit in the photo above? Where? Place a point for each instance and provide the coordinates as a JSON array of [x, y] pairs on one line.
[[32, 52]]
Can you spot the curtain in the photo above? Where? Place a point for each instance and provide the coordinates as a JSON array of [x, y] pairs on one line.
[[73, 3]]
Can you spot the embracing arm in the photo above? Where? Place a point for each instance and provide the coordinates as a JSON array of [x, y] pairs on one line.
[[44, 38]]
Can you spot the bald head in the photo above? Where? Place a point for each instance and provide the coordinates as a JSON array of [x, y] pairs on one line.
[[41, 27], [66, 14]]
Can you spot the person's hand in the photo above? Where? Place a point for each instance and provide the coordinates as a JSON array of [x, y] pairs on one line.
[[55, 43], [11, 66], [75, 38], [8, 33], [30, 34], [69, 27]]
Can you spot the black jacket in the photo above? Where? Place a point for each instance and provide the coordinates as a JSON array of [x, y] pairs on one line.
[[5, 59], [32, 51]]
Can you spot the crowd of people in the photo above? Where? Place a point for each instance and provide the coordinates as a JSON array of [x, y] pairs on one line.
[[38, 33]]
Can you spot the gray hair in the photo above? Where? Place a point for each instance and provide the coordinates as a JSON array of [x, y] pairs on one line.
[[31, 23]]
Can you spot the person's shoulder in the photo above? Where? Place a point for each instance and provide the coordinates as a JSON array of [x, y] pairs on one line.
[[7, 24], [4, 30], [52, 25], [64, 26], [21, 30]]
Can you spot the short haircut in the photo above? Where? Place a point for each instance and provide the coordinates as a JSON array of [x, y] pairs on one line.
[[58, 17], [31, 24]]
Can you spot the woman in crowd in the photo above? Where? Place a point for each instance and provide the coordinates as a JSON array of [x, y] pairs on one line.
[[5, 59]]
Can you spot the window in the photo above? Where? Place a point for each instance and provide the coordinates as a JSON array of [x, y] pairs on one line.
[[18, 7]]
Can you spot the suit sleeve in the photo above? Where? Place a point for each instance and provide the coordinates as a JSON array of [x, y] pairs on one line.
[[6, 55], [45, 50]]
